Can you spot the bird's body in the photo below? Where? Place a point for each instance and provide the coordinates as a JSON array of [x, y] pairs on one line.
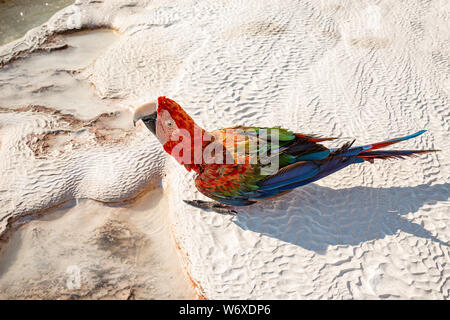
[[245, 180], [241, 165]]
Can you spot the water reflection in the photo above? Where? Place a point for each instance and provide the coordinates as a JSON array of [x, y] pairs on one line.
[[19, 16]]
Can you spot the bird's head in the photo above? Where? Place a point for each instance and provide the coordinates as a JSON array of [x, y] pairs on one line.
[[164, 118], [170, 124]]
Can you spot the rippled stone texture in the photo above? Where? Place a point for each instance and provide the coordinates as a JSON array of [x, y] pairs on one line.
[[342, 69]]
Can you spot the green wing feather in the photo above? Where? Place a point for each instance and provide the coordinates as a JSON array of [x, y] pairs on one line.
[[237, 182]]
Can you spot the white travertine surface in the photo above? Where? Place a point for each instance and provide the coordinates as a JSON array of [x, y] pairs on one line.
[[368, 70]]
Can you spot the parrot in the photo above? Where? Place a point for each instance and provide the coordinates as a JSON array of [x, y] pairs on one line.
[[272, 161]]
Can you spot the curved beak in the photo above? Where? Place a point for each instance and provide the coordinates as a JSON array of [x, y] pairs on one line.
[[149, 121], [147, 113]]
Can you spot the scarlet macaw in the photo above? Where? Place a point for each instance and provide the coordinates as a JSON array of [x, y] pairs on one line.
[[300, 158]]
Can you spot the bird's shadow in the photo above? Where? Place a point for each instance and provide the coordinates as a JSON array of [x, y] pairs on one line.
[[315, 217]]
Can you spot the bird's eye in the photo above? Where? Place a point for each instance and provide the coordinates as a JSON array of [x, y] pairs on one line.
[[169, 123]]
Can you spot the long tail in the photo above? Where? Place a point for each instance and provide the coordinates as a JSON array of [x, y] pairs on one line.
[[369, 155]]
